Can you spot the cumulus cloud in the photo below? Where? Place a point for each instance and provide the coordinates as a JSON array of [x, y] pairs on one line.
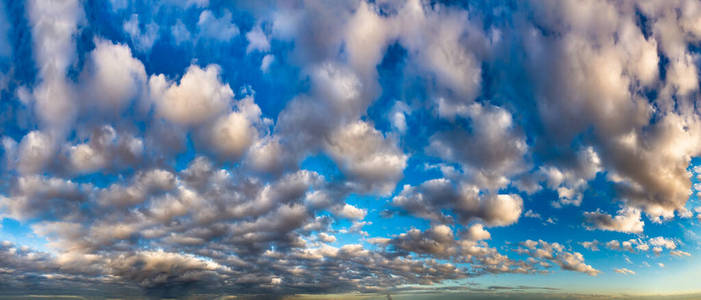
[[556, 253], [628, 220], [476, 232], [467, 201], [217, 28], [143, 36], [146, 176], [36, 196], [437, 240], [494, 149], [198, 97], [54, 26], [591, 245], [114, 77], [34, 152], [368, 156], [350, 212]]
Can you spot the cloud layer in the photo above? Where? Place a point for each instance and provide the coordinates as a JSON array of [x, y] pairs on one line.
[[307, 147]]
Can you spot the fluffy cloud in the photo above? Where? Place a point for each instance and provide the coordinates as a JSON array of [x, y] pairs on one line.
[[492, 151], [364, 153], [593, 245], [37, 196], [231, 135], [34, 152], [476, 232], [149, 178], [106, 150], [628, 220], [555, 252], [199, 97], [53, 28], [350, 212], [114, 76], [437, 240], [257, 40], [428, 199], [217, 28]]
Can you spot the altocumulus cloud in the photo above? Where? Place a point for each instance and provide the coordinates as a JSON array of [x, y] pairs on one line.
[[181, 147]]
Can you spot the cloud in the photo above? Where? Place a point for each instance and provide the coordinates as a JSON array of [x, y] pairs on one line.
[[367, 156], [53, 30], [217, 28], [663, 242], [145, 172], [427, 200], [624, 271], [628, 220], [350, 212], [476, 232], [231, 135], [265, 63], [679, 253], [142, 36], [437, 240], [35, 196], [556, 253], [155, 268], [200, 96], [257, 40], [114, 77], [34, 152], [492, 151], [593, 245], [106, 150]]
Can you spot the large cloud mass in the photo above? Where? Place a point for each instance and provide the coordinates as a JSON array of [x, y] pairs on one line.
[[170, 147]]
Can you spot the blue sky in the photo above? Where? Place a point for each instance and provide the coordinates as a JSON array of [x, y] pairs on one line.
[[355, 149]]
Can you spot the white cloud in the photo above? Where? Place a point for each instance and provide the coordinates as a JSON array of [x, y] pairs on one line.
[[142, 38], [231, 135], [257, 40], [350, 212], [54, 26], [679, 253], [624, 271], [628, 220], [265, 63], [221, 28], [367, 156], [35, 152], [114, 76], [663, 242], [476, 232], [199, 97], [592, 245]]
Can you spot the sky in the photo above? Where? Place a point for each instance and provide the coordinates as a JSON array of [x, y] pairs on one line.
[[206, 149]]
